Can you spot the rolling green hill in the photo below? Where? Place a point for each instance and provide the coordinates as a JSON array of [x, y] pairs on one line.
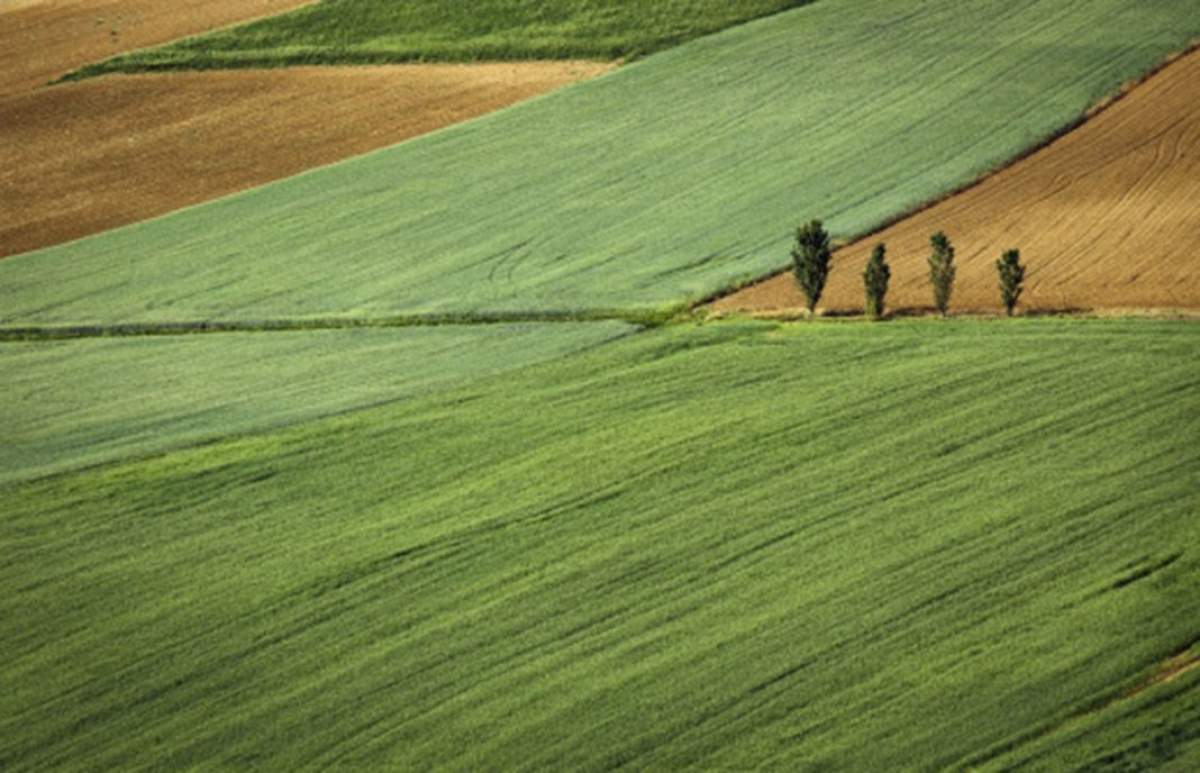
[[728, 546], [665, 181], [137, 396], [836, 546], [376, 31]]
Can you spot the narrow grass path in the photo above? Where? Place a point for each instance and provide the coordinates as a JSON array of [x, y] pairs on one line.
[[638, 317]]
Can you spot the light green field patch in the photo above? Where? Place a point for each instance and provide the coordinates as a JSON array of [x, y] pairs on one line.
[[838, 547], [661, 182], [377, 31], [72, 403]]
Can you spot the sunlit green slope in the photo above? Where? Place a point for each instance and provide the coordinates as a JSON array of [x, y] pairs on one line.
[[384, 31], [661, 182], [73, 403], [840, 547]]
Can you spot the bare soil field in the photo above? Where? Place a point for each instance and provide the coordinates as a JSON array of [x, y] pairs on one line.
[[80, 158], [1106, 217], [41, 40]]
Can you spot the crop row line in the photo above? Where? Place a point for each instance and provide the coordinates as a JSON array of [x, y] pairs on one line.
[[641, 317]]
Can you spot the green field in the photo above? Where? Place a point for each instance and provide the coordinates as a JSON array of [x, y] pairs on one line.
[[664, 181], [377, 32], [1156, 728], [344, 536], [827, 546], [137, 396]]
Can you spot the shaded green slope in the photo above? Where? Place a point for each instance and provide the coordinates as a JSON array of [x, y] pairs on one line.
[[71, 403], [858, 547], [663, 181], [1157, 728], [377, 31]]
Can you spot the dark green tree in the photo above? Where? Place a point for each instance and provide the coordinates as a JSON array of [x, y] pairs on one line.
[[875, 281], [1012, 275], [811, 261], [941, 271]]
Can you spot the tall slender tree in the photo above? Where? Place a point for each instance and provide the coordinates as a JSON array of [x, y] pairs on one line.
[[875, 281], [811, 259], [1012, 276], [941, 271]]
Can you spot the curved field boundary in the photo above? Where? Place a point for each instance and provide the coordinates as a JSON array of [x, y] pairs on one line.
[[43, 39], [665, 181], [134, 397], [1105, 217], [82, 158], [388, 32]]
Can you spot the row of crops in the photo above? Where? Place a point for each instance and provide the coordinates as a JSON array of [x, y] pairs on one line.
[[728, 545], [629, 541], [663, 182]]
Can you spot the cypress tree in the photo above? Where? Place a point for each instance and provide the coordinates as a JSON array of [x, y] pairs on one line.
[[941, 271], [1012, 275], [875, 281], [811, 261]]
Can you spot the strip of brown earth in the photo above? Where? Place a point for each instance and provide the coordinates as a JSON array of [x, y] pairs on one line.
[[1106, 217], [41, 40], [1183, 662], [1169, 671], [80, 158]]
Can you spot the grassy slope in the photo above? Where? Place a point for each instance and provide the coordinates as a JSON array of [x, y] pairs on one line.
[[134, 396], [371, 31], [735, 545], [666, 180], [1158, 727]]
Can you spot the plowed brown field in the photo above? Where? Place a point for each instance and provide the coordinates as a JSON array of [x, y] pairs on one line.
[[41, 40], [1106, 217], [80, 158]]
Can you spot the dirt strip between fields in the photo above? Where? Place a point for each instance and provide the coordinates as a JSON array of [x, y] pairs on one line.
[[1106, 217], [80, 158]]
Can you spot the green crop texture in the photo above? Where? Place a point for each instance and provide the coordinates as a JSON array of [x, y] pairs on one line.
[[664, 181], [377, 32], [829, 546], [136, 396], [1157, 727]]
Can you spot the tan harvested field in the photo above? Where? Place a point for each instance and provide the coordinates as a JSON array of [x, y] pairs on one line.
[[80, 158], [41, 40], [1106, 217]]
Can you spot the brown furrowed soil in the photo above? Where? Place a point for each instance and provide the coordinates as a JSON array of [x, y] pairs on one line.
[[1106, 217], [80, 158], [41, 40]]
